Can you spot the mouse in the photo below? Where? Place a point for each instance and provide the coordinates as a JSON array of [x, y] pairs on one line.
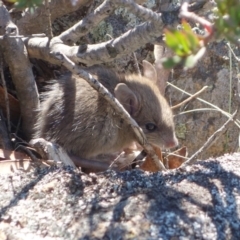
[[75, 116]]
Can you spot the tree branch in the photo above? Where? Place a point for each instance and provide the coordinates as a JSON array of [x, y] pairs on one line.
[[36, 23], [5, 141], [95, 53], [189, 98], [48, 11], [210, 141], [15, 55], [91, 20], [104, 10]]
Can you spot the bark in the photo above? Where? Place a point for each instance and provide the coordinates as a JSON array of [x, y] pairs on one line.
[[16, 56], [91, 20], [5, 141], [38, 22], [103, 52], [92, 54]]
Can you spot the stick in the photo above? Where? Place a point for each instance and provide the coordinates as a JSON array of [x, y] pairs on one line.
[[210, 140], [48, 11], [5, 96], [190, 98]]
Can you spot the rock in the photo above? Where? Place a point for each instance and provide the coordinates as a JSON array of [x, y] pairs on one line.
[[201, 203]]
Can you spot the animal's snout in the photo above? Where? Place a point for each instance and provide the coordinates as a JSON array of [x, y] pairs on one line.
[[170, 143]]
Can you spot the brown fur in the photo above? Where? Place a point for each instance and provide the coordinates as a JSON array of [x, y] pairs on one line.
[[76, 117]]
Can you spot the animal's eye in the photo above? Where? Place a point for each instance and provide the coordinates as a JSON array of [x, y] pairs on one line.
[[151, 127]]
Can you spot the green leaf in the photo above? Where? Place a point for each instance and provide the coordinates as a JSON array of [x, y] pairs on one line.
[[171, 40], [190, 62], [184, 42], [28, 3], [171, 62]]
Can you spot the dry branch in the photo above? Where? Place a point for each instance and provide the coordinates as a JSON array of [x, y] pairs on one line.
[[104, 10], [37, 22], [49, 30], [190, 98], [5, 95], [184, 13], [210, 140], [95, 53], [6, 24], [5, 141], [91, 20], [140, 11], [16, 56], [13, 106], [216, 108], [103, 52]]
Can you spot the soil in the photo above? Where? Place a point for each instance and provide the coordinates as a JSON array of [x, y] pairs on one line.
[[199, 202]]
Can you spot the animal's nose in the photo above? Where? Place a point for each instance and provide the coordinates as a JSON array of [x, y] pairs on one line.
[[171, 143]]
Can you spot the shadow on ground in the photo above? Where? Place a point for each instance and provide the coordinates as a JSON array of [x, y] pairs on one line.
[[201, 202]]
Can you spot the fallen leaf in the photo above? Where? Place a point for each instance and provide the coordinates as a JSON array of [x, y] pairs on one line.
[[12, 155], [177, 158], [171, 161], [148, 164]]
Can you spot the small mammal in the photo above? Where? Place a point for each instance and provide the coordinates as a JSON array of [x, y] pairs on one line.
[[76, 117]]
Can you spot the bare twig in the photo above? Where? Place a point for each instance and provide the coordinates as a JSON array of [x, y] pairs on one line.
[[136, 63], [104, 10], [29, 153], [161, 51], [236, 121], [184, 13], [92, 19], [36, 23], [229, 46], [210, 140], [20, 140], [5, 141], [21, 36], [196, 110], [190, 98], [140, 11], [5, 96], [103, 52], [48, 11], [95, 53]]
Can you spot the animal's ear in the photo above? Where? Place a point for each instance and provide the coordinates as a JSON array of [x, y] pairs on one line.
[[127, 98], [149, 71]]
